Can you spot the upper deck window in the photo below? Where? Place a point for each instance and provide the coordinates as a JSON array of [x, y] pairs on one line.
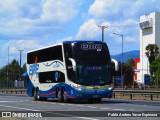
[[47, 54]]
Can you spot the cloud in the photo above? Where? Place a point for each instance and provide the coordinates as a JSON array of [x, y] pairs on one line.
[[108, 8], [99, 8], [35, 18], [89, 30], [59, 10], [65, 39], [11, 9], [15, 46], [120, 9]]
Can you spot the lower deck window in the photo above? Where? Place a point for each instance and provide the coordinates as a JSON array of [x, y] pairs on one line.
[[51, 77]]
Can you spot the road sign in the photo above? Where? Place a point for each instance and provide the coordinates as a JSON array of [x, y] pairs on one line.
[[119, 80], [147, 79]]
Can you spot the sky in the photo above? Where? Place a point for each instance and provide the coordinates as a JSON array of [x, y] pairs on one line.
[[31, 24]]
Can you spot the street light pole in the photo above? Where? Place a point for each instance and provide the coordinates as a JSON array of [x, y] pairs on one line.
[[121, 60], [102, 28]]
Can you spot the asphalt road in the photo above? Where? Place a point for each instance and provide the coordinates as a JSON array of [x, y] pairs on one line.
[[76, 109]]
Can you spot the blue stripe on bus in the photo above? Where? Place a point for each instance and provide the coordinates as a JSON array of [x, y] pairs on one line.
[[53, 62], [70, 92]]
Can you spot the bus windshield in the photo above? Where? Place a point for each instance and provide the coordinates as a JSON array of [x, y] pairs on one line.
[[93, 75], [93, 64]]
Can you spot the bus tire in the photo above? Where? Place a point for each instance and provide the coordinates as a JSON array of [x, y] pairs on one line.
[[44, 99], [37, 95], [57, 89], [66, 99], [98, 100], [90, 101], [60, 96]]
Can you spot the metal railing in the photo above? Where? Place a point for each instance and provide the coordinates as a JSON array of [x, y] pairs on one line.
[[129, 93], [13, 91], [133, 93]]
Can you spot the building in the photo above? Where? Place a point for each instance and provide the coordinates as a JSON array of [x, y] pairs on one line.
[[137, 70], [149, 34]]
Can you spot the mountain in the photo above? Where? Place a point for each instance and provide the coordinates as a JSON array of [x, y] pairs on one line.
[[127, 55]]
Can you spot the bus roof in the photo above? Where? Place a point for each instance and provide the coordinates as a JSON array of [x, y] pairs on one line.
[[63, 42], [71, 41], [45, 47]]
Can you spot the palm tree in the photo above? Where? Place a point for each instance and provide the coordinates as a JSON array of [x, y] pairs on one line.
[[151, 52]]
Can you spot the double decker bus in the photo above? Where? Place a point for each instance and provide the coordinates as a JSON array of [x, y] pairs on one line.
[[70, 70]]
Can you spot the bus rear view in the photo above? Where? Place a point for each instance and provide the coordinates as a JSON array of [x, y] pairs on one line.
[[86, 70]]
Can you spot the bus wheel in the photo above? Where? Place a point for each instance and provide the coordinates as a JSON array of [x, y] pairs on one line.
[[66, 99], [36, 95], [90, 100], [44, 99], [98, 100], [60, 96]]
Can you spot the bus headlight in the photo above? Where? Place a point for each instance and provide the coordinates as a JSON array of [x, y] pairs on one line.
[[110, 88], [80, 88]]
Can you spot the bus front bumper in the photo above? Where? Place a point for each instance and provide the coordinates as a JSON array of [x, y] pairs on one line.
[[93, 93]]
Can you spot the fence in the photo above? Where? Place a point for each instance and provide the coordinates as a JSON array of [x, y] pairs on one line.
[[134, 94], [12, 82]]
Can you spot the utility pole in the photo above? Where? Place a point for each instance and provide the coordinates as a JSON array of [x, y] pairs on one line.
[[7, 69], [20, 64], [102, 28]]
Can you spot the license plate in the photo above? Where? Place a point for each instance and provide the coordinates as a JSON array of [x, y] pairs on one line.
[[95, 96]]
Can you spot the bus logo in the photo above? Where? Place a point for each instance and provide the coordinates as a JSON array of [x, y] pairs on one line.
[[91, 46], [56, 76], [33, 70]]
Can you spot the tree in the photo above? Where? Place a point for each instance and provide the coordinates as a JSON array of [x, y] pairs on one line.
[[151, 52], [24, 69], [14, 67], [128, 68], [9, 73], [155, 70], [130, 62], [128, 72]]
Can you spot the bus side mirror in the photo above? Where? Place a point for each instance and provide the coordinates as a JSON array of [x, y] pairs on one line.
[[115, 63], [73, 63]]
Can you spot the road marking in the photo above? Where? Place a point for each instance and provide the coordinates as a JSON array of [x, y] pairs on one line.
[[10, 101], [80, 105], [7, 98], [91, 107], [130, 110], [119, 109], [71, 104], [87, 118], [105, 108], [14, 101], [2, 98], [18, 108], [61, 104]]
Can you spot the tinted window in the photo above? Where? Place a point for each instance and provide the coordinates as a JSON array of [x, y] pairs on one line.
[[51, 77], [68, 51], [91, 53], [48, 54]]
